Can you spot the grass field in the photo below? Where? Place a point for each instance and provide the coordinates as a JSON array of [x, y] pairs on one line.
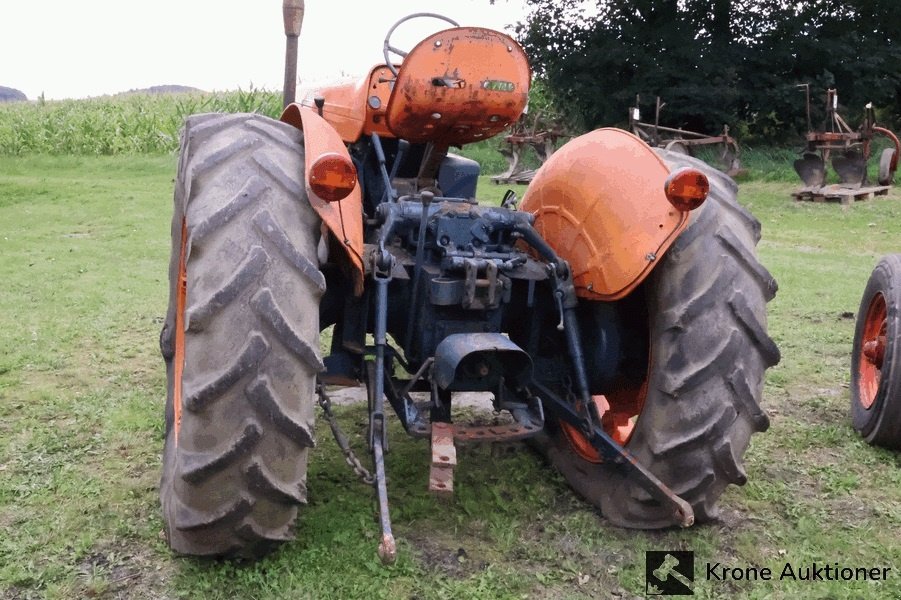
[[84, 257]]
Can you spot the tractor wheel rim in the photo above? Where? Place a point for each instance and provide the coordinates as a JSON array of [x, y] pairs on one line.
[[618, 422], [872, 354]]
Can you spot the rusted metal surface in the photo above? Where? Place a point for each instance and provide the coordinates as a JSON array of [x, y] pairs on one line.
[[458, 86], [683, 140], [388, 49], [542, 137], [599, 202], [444, 459], [848, 149], [874, 351]]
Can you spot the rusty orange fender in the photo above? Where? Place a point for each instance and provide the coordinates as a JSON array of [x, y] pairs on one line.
[[344, 219], [599, 202]]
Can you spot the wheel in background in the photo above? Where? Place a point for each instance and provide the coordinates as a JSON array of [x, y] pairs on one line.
[[875, 372]]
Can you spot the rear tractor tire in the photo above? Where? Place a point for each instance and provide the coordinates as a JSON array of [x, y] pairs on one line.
[[241, 337], [709, 349], [876, 357]]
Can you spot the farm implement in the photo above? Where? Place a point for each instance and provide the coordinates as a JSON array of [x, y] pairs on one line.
[[617, 319], [849, 149], [684, 141], [541, 136]]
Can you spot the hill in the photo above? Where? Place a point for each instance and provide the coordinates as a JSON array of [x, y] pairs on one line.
[[8, 94], [165, 89]]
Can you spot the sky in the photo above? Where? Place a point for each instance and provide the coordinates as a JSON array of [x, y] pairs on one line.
[[83, 48]]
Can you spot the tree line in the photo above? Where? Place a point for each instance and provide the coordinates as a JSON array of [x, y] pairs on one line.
[[715, 62]]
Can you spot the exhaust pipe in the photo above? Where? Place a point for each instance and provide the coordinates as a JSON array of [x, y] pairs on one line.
[[292, 11]]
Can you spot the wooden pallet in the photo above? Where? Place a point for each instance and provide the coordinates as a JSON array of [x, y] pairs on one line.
[[837, 193]]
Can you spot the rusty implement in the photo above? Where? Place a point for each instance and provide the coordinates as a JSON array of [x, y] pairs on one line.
[[541, 137], [685, 141], [847, 149]]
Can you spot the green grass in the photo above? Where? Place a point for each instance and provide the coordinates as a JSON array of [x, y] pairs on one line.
[[85, 252]]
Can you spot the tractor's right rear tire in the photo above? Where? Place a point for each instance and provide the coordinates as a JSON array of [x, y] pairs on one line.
[[241, 337], [876, 357], [709, 348]]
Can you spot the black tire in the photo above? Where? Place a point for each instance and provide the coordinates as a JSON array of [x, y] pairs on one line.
[[876, 383], [886, 175], [233, 479], [709, 348]]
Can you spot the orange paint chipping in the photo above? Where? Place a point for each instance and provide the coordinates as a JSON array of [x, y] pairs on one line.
[[181, 293]]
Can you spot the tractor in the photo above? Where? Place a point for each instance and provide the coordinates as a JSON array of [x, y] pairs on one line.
[[876, 357], [616, 318]]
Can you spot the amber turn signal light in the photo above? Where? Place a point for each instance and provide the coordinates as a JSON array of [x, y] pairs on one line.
[[332, 177], [686, 188]]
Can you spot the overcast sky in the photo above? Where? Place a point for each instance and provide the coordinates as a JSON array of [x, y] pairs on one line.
[[80, 48]]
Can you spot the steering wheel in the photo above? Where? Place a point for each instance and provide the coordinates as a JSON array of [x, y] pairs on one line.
[[387, 48]]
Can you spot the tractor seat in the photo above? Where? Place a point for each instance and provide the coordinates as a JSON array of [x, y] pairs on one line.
[[458, 86]]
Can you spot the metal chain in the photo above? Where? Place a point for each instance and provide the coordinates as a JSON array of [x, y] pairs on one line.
[[349, 457]]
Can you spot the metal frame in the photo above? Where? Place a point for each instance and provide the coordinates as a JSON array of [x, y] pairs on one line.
[[656, 134]]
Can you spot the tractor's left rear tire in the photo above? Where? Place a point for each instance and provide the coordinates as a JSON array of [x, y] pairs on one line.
[[876, 357]]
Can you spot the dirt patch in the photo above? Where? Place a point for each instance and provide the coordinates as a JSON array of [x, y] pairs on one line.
[[122, 571], [444, 556]]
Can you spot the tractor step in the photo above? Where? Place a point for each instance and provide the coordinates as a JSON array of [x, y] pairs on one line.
[[444, 459]]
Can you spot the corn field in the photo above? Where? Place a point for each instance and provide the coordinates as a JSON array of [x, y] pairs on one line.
[[123, 124]]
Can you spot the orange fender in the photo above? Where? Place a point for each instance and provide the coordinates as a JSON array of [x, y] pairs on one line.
[[599, 202], [345, 217]]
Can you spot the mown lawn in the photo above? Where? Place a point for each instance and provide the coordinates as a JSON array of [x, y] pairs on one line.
[[84, 258]]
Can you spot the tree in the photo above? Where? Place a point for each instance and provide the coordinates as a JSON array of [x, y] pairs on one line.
[[716, 62]]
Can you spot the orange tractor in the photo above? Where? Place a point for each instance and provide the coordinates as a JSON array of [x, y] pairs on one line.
[[617, 319]]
